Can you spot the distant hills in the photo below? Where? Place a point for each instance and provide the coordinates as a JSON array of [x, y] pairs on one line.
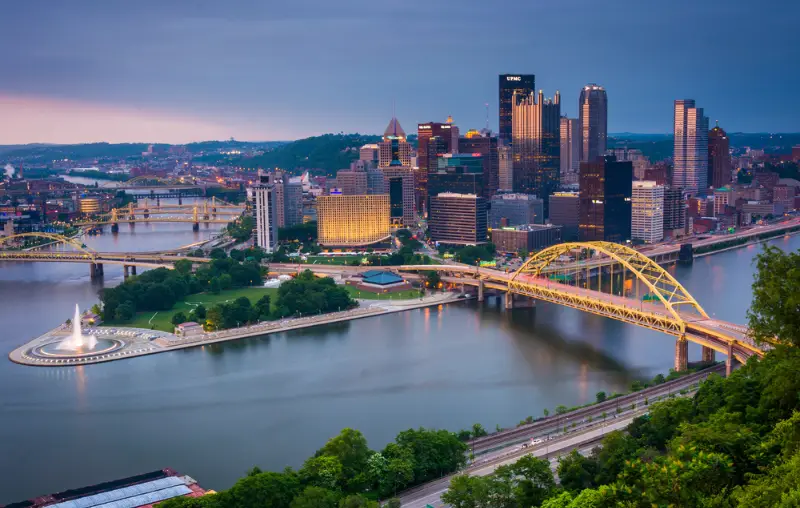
[[330, 152]]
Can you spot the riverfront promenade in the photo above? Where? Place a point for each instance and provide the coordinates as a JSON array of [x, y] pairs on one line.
[[140, 342]]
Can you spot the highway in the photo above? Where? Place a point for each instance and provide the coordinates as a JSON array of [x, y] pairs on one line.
[[583, 437]]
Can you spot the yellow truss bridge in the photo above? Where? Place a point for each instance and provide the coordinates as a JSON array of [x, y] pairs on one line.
[[135, 215]]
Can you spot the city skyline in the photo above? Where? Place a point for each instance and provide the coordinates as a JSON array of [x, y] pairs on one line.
[[151, 72]]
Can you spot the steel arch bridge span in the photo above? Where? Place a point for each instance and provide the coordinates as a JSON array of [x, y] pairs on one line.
[[85, 252], [658, 281]]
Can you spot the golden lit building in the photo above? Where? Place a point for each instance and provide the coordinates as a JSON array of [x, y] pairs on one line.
[[89, 205], [352, 220]]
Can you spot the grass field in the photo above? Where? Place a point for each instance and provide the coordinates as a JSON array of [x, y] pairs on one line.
[[366, 295], [332, 260], [162, 320]]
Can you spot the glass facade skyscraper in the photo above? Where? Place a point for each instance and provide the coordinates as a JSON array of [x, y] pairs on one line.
[[523, 84], [536, 145], [690, 172], [605, 200], [593, 122]]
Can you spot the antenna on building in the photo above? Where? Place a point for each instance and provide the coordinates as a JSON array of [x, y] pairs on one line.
[[487, 116]]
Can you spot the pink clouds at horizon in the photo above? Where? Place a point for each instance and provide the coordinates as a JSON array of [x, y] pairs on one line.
[[30, 119]]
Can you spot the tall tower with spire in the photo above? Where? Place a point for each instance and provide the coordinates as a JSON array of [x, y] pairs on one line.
[[394, 150]]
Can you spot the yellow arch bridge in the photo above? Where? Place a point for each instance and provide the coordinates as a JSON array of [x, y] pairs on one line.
[[582, 276]]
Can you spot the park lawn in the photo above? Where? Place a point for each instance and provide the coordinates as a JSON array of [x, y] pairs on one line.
[[162, 320], [366, 295]]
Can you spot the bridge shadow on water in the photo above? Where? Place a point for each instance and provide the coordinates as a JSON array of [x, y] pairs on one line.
[[565, 333]]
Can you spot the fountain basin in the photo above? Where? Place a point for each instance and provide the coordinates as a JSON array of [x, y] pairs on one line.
[[51, 349]]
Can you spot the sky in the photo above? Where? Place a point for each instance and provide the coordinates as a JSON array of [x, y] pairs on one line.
[[187, 70]]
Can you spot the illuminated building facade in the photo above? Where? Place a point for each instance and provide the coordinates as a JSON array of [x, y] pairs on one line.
[[485, 145], [523, 84], [605, 200], [536, 144], [457, 219], [593, 121], [89, 205], [394, 150], [647, 212], [352, 220], [690, 171], [399, 185], [570, 152]]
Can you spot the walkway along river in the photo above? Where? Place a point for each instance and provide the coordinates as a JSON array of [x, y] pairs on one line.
[[215, 411]]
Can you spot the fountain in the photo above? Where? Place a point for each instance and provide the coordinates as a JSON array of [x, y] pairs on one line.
[[77, 342]]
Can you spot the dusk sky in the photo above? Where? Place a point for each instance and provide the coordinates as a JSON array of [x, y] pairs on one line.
[[178, 71]]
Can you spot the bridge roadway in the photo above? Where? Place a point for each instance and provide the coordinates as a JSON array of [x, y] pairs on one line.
[[720, 336], [584, 436], [142, 220], [140, 259]]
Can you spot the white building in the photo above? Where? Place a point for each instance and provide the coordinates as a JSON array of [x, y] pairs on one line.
[[647, 212], [266, 211]]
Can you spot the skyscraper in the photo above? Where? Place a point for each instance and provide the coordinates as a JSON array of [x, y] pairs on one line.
[[593, 120], [266, 212], [570, 150], [524, 84], [690, 171], [605, 200], [719, 158], [505, 169], [457, 219], [352, 220], [674, 212], [486, 145], [394, 147], [433, 139], [536, 144], [399, 185], [647, 212]]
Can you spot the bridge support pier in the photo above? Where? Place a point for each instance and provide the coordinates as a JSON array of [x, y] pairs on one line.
[[708, 354], [681, 354], [96, 270], [480, 291], [729, 361], [133, 269], [125, 272], [509, 300], [196, 227], [115, 228]]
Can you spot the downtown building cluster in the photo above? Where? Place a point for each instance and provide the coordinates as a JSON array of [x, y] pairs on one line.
[[541, 179]]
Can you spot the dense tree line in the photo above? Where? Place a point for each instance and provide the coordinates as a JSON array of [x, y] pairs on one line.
[[160, 289], [344, 473], [307, 294]]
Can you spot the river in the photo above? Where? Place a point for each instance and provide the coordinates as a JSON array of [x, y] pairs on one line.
[[215, 411]]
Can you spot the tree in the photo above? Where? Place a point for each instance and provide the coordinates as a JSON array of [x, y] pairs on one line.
[[434, 452], [225, 281], [350, 448], [478, 430], [215, 287], [262, 308], [576, 472], [316, 497], [775, 309], [199, 313], [600, 397], [324, 471], [357, 501], [217, 253], [432, 279], [616, 450], [546, 412], [560, 410], [531, 480], [125, 312], [467, 492], [275, 490], [215, 318], [178, 318], [183, 266]]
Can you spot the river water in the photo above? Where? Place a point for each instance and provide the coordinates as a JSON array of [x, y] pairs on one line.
[[215, 411]]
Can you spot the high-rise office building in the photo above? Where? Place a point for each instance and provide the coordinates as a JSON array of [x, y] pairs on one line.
[[570, 150], [369, 153], [691, 148], [433, 139], [265, 208], [523, 84], [640, 162], [674, 212], [352, 220], [719, 158], [723, 197], [399, 185], [351, 183], [457, 173], [605, 200], [536, 144], [292, 201], [515, 210], [593, 120], [485, 145], [565, 212], [647, 212], [394, 150], [376, 183], [505, 169], [458, 219]]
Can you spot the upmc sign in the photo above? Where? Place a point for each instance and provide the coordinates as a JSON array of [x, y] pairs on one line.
[[513, 78]]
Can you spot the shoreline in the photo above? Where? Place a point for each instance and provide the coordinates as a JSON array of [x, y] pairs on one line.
[[747, 244], [142, 342]]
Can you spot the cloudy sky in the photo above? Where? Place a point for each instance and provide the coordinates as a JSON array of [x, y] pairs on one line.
[[183, 70]]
